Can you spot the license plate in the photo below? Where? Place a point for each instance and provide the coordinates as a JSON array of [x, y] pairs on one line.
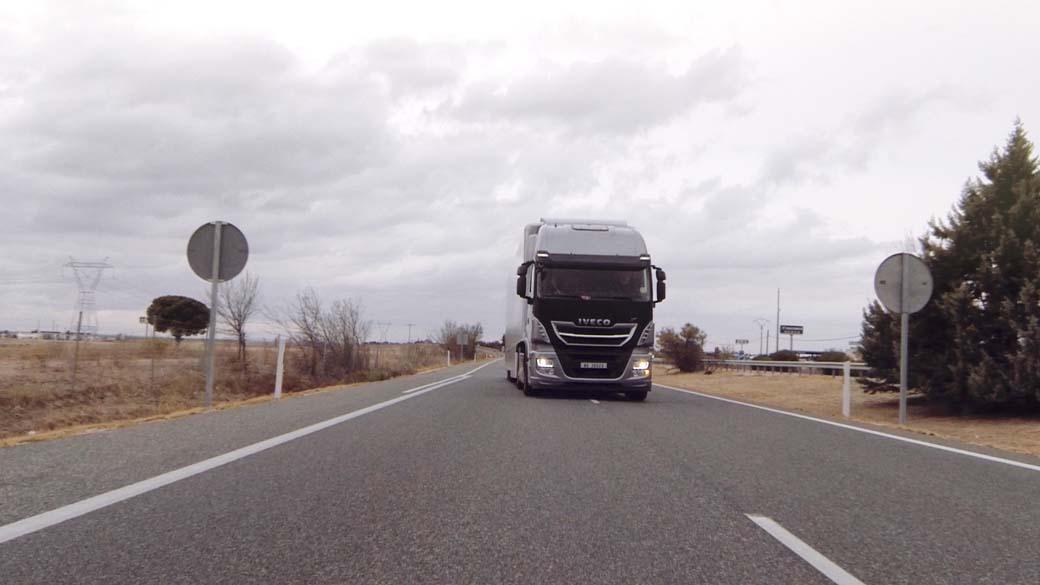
[[593, 365]]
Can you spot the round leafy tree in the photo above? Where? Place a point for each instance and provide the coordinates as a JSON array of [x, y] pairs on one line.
[[180, 316]]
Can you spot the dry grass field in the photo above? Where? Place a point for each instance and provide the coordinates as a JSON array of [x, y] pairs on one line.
[[140, 379], [821, 396]]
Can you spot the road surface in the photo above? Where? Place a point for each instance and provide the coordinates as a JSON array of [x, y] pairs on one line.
[[418, 480]]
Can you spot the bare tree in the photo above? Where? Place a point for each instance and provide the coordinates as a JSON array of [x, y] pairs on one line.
[[239, 301], [345, 331], [448, 337], [331, 337]]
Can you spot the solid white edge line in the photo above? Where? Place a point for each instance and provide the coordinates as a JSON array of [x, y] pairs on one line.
[[808, 553], [983, 456], [70, 511], [593, 400]]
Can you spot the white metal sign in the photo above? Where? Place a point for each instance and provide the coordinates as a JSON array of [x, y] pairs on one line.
[[234, 251], [889, 279]]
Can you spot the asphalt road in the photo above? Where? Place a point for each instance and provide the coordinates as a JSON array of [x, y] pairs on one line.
[[472, 482]]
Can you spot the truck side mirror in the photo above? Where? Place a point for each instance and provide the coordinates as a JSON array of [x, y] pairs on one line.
[[521, 280], [662, 288]]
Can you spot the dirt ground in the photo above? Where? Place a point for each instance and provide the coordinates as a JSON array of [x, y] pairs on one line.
[[821, 396], [116, 381]]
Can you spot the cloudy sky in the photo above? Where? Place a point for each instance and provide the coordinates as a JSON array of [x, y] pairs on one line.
[[391, 152]]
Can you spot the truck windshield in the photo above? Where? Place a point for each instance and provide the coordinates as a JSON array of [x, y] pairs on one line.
[[589, 283]]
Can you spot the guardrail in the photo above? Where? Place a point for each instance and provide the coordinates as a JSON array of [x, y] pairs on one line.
[[782, 366], [846, 369]]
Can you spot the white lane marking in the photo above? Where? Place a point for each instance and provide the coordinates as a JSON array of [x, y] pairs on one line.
[[59, 515], [446, 381], [983, 456], [438, 383], [594, 401], [808, 553]]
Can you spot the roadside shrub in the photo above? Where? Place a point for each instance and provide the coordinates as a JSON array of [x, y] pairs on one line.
[[833, 355], [784, 355], [685, 348]]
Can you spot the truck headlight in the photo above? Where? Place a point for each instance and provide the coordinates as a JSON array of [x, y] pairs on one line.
[[641, 366], [544, 363]]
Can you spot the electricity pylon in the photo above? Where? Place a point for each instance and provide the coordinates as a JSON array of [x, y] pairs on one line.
[[88, 275]]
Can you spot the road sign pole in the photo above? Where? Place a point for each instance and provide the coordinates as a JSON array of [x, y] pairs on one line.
[[904, 334], [904, 331], [212, 335]]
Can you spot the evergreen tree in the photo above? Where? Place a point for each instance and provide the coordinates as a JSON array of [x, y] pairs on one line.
[[179, 315], [978, 342], [879, 346]]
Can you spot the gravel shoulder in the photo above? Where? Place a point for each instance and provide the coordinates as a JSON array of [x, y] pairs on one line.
[[820, 395]]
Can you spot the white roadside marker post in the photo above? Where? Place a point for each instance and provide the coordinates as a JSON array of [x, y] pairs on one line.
[[279, 368], [846, 389]]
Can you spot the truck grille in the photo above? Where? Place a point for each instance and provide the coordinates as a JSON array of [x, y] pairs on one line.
[[572, 365], [613, 336]]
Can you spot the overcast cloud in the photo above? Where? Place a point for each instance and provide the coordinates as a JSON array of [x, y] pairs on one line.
[[394, 156]]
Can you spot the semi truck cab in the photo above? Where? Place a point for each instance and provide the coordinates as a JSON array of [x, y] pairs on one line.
[[580, 315]]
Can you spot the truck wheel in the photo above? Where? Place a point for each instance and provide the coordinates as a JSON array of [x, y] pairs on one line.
[[528, 390], [636, 395], [519, 379]]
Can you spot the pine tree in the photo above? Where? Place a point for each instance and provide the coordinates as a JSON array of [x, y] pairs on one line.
[[879, 346], [977, 344]]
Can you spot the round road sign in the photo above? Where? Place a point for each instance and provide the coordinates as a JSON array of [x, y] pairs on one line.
[[234, 251], [888, 283]]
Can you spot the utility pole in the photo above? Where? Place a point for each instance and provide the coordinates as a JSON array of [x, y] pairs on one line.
[[384, 327], [410, 325], [777, 319], [761, 328]]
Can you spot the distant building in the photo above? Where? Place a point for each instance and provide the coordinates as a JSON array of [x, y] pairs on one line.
[[50, 335]]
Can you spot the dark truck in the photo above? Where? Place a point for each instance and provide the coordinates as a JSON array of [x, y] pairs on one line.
[[581, 313]]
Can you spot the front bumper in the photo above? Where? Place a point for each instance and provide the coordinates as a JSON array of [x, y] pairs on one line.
[[556, 378]]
